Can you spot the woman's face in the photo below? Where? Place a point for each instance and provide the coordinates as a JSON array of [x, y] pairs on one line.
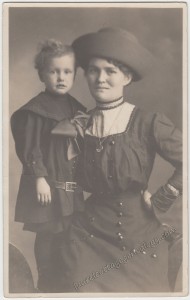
[[105, 80]]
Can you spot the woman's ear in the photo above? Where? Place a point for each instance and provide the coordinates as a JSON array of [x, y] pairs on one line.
[[128, 78]]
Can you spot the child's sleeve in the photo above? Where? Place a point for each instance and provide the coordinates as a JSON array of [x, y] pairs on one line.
[[27, 130]]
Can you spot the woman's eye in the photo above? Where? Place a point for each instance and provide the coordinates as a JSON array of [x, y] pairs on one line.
[[111, 72], [92, 70]]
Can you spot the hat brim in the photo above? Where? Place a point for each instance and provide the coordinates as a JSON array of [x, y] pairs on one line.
[[113, 45]]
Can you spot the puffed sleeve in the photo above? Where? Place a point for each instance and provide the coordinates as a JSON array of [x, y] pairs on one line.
[[168, 142], [27, 130]]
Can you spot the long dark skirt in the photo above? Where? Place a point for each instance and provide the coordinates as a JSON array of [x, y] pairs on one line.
[[115, 245]]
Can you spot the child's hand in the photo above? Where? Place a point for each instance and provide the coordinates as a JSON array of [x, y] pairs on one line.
[[43, 191], [146, 197]]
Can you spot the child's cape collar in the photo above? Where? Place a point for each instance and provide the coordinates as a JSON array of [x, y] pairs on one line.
[[53, 106]]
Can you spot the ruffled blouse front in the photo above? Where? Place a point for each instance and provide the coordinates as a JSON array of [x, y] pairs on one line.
[[126, 159]]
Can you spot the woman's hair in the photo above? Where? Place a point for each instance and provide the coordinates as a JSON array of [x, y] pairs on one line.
[[50, 49], [125, 69]]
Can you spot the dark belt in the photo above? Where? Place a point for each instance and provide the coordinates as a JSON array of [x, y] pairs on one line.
[[68, 186]]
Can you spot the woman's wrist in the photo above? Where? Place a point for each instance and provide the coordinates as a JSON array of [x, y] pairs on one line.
[[165, 196], [171, 189]]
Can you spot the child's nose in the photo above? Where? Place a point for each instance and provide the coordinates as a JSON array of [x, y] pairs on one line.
[[61, 76]]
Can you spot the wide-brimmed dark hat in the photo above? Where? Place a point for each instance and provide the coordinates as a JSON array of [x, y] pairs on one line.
[[113, 43]]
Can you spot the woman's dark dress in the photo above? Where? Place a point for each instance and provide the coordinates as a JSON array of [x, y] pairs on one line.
[[115, 222]]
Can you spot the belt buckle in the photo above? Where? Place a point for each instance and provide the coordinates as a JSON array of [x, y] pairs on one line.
[[70, 186]]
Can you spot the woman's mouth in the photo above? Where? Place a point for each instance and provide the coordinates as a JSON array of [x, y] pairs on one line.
[[101, 88]]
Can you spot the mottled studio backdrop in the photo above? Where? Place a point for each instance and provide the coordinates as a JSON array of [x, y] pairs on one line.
[[160, 29]]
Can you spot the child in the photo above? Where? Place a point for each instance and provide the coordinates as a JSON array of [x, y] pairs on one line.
[[47, 191]]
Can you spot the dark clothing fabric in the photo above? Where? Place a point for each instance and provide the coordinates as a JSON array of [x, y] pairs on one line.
[[44, 155], [128, 158], [115, 223]]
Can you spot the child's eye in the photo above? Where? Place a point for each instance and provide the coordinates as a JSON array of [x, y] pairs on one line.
[[52, 71], [67, 71]]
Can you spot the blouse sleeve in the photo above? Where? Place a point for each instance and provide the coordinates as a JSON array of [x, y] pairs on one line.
[[27, 129], [168, 142]]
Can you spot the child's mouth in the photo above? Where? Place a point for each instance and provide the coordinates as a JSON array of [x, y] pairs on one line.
[[61, 86]]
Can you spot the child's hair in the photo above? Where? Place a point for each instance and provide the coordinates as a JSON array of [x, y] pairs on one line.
[[49, 49]]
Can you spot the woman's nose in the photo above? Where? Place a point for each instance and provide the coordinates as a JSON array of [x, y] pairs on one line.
[[101, 77]]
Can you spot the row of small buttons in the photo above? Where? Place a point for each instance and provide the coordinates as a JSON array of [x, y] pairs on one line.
[[120, 237], [74, 162], [119, 224], [72, 168], [32, 163], [153, 255], [112, 142], [120, 213]]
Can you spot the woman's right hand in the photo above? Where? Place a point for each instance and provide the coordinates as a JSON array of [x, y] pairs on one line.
[[43, 191]]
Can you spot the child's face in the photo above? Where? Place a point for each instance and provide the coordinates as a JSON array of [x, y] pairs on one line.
[[58, 76]]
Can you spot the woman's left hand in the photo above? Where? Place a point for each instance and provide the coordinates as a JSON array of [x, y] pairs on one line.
[[146, 196]]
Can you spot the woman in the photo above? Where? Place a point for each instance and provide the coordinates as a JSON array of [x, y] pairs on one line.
[[118, 244]]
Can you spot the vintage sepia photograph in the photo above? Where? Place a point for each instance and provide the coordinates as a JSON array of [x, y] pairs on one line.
[[95, 149]]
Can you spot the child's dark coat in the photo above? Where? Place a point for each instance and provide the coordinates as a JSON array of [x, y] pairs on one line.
[[44, 155]]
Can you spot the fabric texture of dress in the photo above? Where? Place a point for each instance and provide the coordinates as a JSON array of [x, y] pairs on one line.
[[117, 244], [43, 154]]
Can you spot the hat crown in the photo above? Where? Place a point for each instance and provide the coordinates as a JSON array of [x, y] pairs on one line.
[[118, 31], [116, 44]]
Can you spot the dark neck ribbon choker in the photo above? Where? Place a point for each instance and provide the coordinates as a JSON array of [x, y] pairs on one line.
[[109, 105]]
